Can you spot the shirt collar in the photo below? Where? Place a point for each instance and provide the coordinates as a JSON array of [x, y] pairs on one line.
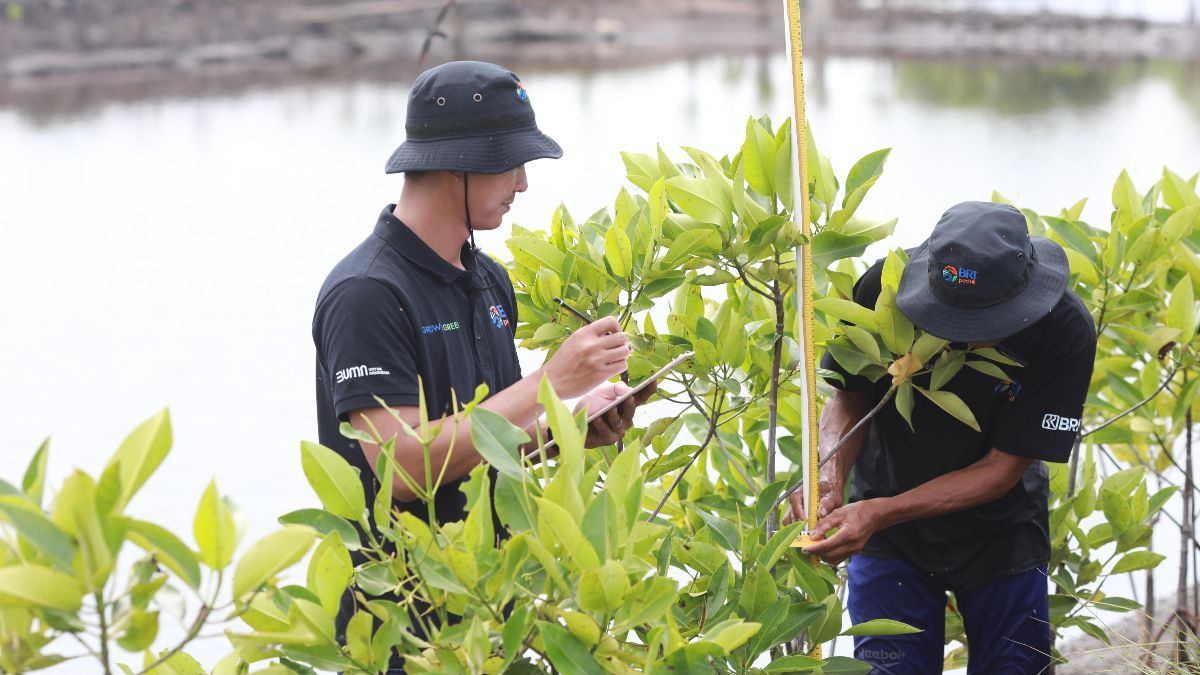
[[408, 244]]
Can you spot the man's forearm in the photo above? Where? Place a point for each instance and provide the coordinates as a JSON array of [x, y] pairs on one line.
[[984, 481], [838, 417], [453, 447]]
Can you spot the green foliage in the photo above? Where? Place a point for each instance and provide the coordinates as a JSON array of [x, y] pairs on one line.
[[661, 557], [59, 572]]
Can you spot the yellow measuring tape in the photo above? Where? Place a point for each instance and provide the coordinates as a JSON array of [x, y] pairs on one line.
[[804, 272], [804, 285]]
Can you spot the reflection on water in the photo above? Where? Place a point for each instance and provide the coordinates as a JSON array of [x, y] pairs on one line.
[[167, 250], [1024, 88]]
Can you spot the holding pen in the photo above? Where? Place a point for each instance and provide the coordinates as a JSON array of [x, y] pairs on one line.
[[584, 318]]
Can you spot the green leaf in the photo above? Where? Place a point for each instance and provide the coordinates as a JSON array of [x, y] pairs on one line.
[[168, 548], [140, 631], [758, 159], [140, 454], [498, 441], [894, 328], [515, 629], [554, 519], [642, 170], [684, 245], [702, 199], [334, 480], [844, 665], [864, 341], [1073, 235], [76, 514], [852, 360], [992, 354], [1177, 193], [927, 346], [848, 311], [34, 481], [1181, 309], [1116, 509], [30, 585], [881, 627], [214, 529], [988, 368], [732, 633], [603, 589], [269, 556], [868, 168], [1137, 560], [779, 542], [567, 652], [39, 531], [953, 405], [324, 522], [1125, 197], [1124, 481], [1182, 223], [893, 268], [828, 247], [330, 571], [904, 402], [796, 663], [830, 624], [724, 532], [570, 431], [618, 251], [946, 368]]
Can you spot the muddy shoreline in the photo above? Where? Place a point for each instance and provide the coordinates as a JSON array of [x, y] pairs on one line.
[[71, 52]]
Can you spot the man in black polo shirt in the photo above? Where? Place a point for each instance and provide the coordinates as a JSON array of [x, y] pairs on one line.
[[941, 507], [417, 308]]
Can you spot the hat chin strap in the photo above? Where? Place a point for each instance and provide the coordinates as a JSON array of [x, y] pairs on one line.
[[467, 211]]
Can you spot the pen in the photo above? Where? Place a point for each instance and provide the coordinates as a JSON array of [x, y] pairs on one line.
[[582, 317]]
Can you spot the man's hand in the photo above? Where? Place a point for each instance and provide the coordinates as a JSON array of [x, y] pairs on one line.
[[612, 425], [855, 524], [830, 499], [590, 356]]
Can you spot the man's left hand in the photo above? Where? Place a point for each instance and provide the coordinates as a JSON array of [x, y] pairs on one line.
[[855, 524], [612, 425]]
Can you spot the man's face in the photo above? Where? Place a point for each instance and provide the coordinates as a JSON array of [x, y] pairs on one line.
[[491, 196]]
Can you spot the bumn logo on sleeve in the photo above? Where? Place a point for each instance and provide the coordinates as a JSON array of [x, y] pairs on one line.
[[359, 371], [1052, 422]]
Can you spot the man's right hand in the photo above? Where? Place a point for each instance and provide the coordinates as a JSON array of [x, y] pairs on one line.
[[590, 356], [831, 500]]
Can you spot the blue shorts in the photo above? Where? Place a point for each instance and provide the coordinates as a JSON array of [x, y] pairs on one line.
[[1006, 620]]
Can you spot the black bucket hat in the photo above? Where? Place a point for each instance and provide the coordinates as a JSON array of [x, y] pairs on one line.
[[470, 116], [980, 276]]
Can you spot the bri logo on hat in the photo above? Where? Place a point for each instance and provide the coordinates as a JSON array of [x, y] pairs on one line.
[[958, 275], [499, 318], [521, 93]]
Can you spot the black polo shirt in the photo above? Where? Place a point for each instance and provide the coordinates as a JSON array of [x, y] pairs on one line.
[[1034, 414], [394, 310]]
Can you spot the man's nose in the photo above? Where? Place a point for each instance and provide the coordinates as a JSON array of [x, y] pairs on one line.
[[522, 179]]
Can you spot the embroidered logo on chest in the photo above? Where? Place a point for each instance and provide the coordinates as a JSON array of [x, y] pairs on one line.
[[1008, 387], [439, 327], [497, 315]]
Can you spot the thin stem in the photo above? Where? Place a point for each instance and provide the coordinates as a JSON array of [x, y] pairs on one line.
[[853, 430], [712, 430], [773, 402], [103, 634], [721, 444], [201, 617], [1148, 399]]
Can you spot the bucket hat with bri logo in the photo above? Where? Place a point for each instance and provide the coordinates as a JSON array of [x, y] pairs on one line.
[[980, 276]]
